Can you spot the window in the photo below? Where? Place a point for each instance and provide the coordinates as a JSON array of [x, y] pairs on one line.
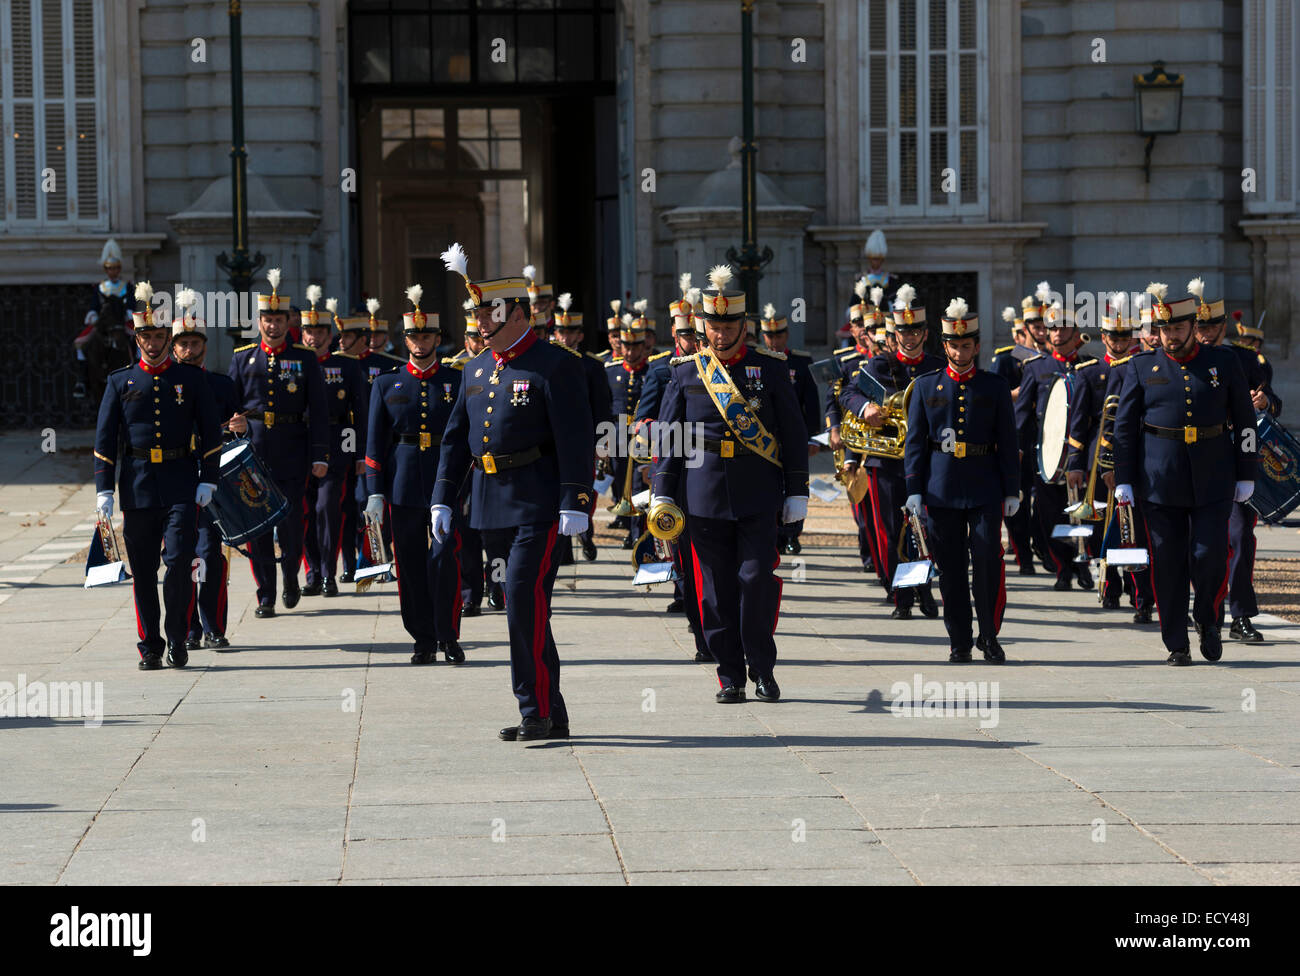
[[458, 43], [51, 154], [1271, 29], [473, 141], [923, 96]]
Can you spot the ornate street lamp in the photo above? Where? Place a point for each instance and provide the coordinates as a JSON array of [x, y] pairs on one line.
[[749, 259], [240, 267], [1159, 106]]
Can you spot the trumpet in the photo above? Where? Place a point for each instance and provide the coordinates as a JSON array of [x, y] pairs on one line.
[[918, 533], [624, 506], [108, 538], [383, 570], [1085, 509]]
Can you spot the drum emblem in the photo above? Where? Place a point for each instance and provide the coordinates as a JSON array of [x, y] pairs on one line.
[[1279, 465], [251, 490]]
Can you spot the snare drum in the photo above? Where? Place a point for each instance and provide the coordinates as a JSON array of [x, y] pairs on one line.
[[1277, 477], [247, 502], [1054, 433]]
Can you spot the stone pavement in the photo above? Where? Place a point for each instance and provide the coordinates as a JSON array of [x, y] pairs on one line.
[[319, 755]]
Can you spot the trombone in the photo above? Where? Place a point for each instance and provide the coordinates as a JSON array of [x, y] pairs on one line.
[[624, 507]]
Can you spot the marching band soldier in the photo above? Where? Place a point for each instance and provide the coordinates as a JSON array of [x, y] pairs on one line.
[[1038, 376], [208, 618], [961, 467], [658, 378], [281, 391], [1008, 362], [1095, 380], [541, 303], [1211, 329], [1177, 450], [521, 425], [408, 413], [888, 490], [613, 326], [147, 419], [347, 396], [471, 540], [775, 332], [568, 335], [625, 378], [754, 465], [93, 343], [862, 318]]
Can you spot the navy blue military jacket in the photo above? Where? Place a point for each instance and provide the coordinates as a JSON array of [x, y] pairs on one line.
[[375, 364], [625, 386], [659, 373], [1259, 375], [849, 360], [1037, 376], [1207, 390], [893, 373], [805, 389], [287, 384], [224, 393], [1008, 362], [538, 402], [409, 410], [598, 394], [148, 409], [347, 397], [961, 449], [745, 484], [1094, 381]]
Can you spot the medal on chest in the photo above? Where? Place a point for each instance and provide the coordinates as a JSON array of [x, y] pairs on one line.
[[1214, 376], [446, 393], [520, 397], [754, 378], [180, 393]]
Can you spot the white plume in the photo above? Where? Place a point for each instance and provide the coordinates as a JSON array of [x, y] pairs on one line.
[[1009, 314], [144, 292], [769, 311], [186, 298], [273, 278], [860, 288], [1158, 290], [530, 272], [455, 259], [1028, 302], [641, 304], [414, 293], [904, 297], [957, 309], [693, 296], [627, 319], [684, 282], [616, 305], [314, 293], [1197, 287], [372, 306], [1043, 291], [719, 276], [332, 306], [565, 300], [877, 295], [1118, 299]]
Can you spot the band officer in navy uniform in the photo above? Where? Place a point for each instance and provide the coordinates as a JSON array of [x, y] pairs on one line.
[[962, 465], [753, 471], [1185, 448], [282, 396], [148, 420], [521, 429]]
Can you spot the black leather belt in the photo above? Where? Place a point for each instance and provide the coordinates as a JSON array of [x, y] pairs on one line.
[[492, 463], [1188, 435], [422, 441], [272, 419], [157, 455], [961, 449], [725, 449]]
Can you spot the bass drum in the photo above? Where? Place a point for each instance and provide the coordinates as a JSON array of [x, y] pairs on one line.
[[247, 502], [1054, 433], [1277, 477]]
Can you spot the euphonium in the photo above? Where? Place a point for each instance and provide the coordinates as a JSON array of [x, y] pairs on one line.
[[885, 441], [665, 521]]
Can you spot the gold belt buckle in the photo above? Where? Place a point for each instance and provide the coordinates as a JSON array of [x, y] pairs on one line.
[[959, 449], [489, 464], [155, 455], [1189, 435], [727, 449], [268, 418], [426, 440]]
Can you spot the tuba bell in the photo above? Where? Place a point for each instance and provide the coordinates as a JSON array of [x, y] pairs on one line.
[[885, 441]]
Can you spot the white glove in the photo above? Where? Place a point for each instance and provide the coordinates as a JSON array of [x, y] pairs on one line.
[[795, 509], [573, 523], [203, 493], [441, 516], [660, 499], [1123, 494], [1010, 505], [1243, 491], [913, 504], [104, 504], [375, 508]]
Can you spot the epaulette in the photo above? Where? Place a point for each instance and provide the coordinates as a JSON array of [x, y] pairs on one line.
[[454, 363], [999, 352], [251, 345], [299, 345], [845, 351], [798, 352], [1084, 362], [1241, 345], [596, 356], [1262, 360], [342, 355], [613, 362], [571, 352], [764, 351], [678, 360], [1119, 362], [659, 355], [1033, 359]]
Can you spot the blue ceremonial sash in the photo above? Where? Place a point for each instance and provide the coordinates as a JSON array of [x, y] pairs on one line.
[[735, 410]]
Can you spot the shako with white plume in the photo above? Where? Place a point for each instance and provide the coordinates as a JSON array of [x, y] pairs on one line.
[[310, 315], [719, 303], [274, 302], [907, 310], [958, 322]]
